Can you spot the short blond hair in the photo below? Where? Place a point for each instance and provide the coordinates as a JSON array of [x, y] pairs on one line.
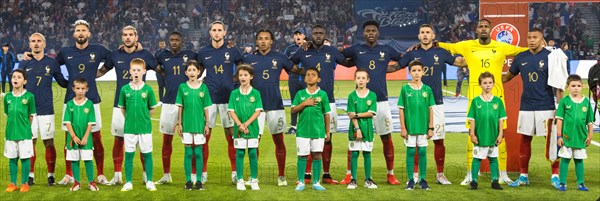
[[129, 27], [38, 34], [138, 61], [81, 22]]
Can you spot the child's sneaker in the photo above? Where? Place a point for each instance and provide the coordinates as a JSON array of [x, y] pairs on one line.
[[150, 186], [353, 184], [562, 187], [369, 183], [24, 188], [328, 180], [300, 186], [582, 187], [254, 184], [102, 180], [521, 181], [281, 181], [93, 187], [496, 185], [199, 186], [423, 184], [555, 181], [391, 179], [75, 187], [240, 185], [346, 179], [165, 179], [410, 186], [473, 185], [127, 187], [189, 185], [66, 180], [318, 187], [11, 188]]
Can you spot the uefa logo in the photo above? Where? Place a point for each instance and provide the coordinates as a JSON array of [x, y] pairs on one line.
[[507, 33]]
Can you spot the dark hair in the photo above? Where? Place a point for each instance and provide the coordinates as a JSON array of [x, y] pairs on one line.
[[370, 22], [427, 25], [535, 29], [80, 81], [486, 74], [265, 30], [485, 19], [176, 33], [573, 77], [245, 67], [218, 22], [318, 26], [358, 70], [18, 70], [313, 69], [192, 63], [414, 63]]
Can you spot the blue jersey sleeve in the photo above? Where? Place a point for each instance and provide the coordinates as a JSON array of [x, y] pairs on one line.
[[109, 64], [151, 62], [394, 55], [287, 64], [515, 66], [406, 59], [60, 57], [448, 58], [349, 52], [57, 74], [339, 57]]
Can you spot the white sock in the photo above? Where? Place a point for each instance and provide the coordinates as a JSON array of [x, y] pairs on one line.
[[204, 174], [524, 175], [348, 172], [391, 172], [167, 174], [554, 175], [233, 172], [32, 175], [293, 127], [469, 173], [325, 172], [440, 174], [49, 174]]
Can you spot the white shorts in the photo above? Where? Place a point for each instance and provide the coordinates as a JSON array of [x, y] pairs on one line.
[[168, 118], [242, 143], [144, 140], [383, 119], [360, 146], [416, 141], [333, 118], [79, 154], [18, 149], [96, 127], [531, 122], [484, 152], [118, 123], [193, 138], [275, 120], [43, 125], [226, 120], [304, 146], [568, 152], [439, 122]]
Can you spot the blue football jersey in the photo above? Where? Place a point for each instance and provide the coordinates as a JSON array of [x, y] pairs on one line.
[[174, 67], [267, 71], [83, 64], [435, 60], [375, 60], [219, 64], [325, 60], [119, 60], [40, 74], [537, 94]]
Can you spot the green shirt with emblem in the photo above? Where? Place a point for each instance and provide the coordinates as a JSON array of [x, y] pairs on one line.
[[193, 101], [137, 105], [244, 106], [79, 116], [486, 115], [357, 104], [311, 120], [416, 103], [576, 117], [18, 109]]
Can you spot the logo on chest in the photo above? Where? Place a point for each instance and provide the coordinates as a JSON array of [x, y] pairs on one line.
[[274, 64], [381, 56], [227, 57], [436, 59], [92, 57], [47, 70], [327, 58]]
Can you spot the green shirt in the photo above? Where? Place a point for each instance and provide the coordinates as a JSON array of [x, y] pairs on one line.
[[193, 102], [357, 105], [311, 120], [18, 109], [244, 106], [576, 117], [416, 103], [80, 116], [137, 105], [486, 115]]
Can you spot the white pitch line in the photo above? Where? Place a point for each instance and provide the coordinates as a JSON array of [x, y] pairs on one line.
[[498, 16], [450, 92], [595, 143]]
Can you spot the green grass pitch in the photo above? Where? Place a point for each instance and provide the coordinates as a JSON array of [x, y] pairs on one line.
[[219, 186]]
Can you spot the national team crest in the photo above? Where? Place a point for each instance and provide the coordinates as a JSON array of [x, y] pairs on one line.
[[47, 70], [351, 144], [185, 58], [495, 106], [274, 63], [92, 57], [436, 59], [381, 56], [584, 109], [369, 102], [318, 99], [201, 94], [474, 151], [541, 64], [144, 95], [86, 110], [24, 101], [327, 57], [227, 57], [252, 99], [507, 33], [424, 94]]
